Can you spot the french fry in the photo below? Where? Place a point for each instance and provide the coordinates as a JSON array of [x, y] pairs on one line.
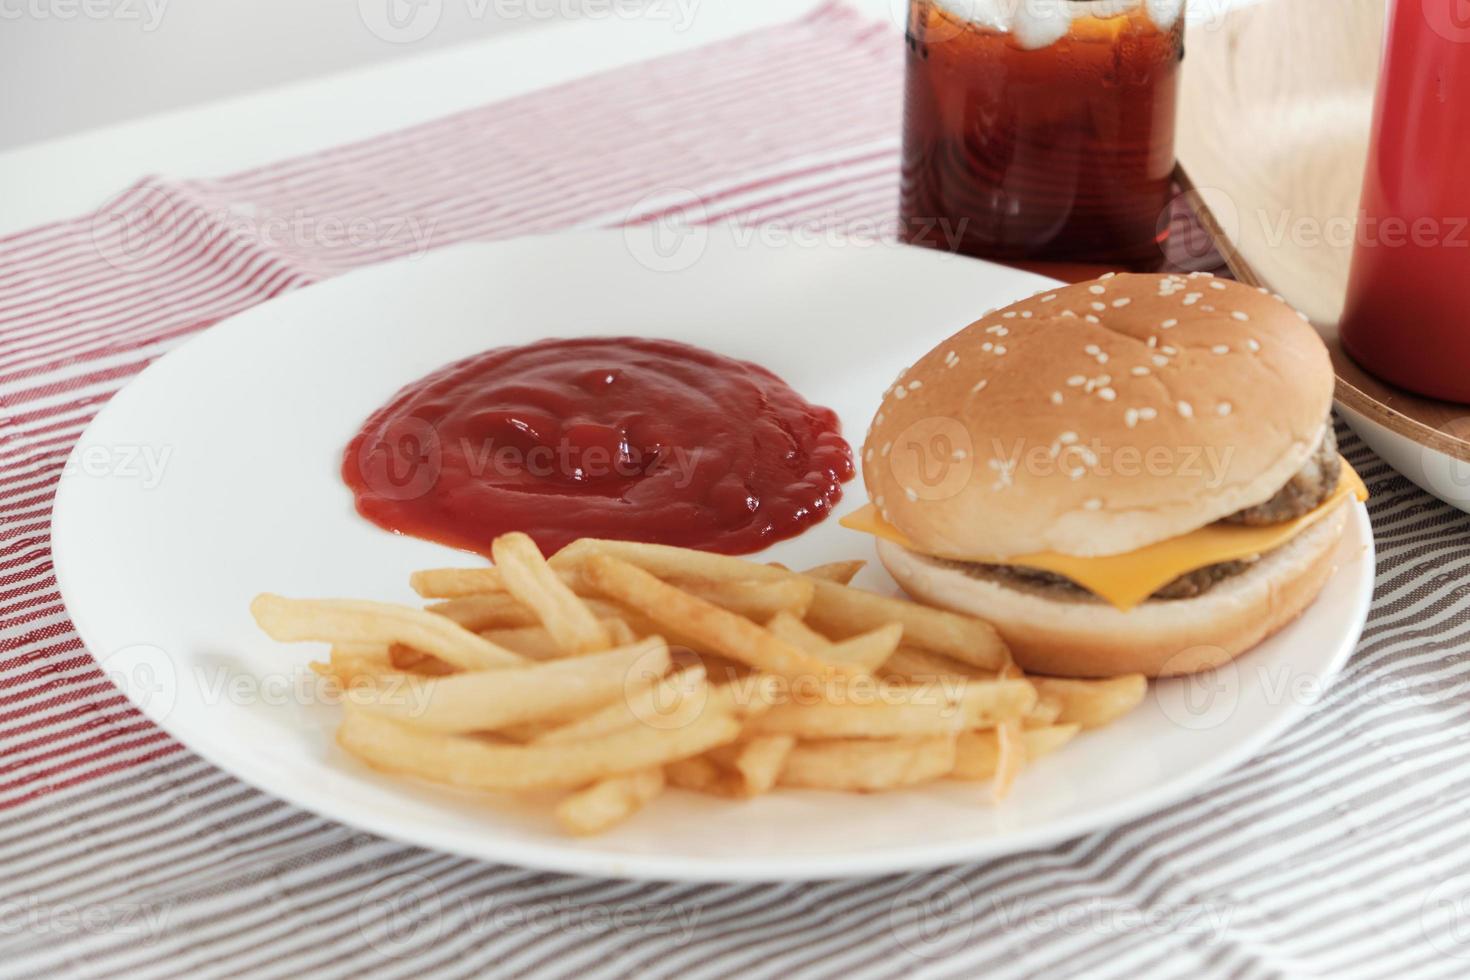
[[756, 762], [701, 775], [484, 701], [868, 765], [841, 572], [417, 662], [473, 763], [456, 583], [608, 802], [528, 578], [1010, 758], [667, 561], [913, 662], [979, 752], [752, 598], [1093, 704], [717, 629], [668, 702], [349, 661], [354, 621], [1047, 711], [536, 643], [928, 711], [866, 652], [487, 612], [840, 611]]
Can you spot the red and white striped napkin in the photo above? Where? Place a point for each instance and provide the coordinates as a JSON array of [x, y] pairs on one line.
[[121, 853]]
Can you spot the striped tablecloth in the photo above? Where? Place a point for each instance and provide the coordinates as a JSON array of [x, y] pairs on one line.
[[1337, 852]]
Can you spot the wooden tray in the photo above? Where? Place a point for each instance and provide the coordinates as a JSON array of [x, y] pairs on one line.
[[1274, 121]]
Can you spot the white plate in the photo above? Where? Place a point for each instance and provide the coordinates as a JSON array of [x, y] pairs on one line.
[[213, 476]]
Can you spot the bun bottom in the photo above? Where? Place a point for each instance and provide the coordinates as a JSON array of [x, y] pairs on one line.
[[1086, 637]]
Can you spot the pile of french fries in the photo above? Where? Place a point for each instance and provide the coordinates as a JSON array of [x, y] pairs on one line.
[[616, 669]]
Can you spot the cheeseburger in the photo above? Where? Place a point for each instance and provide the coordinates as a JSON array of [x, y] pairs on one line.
[[1136, 474]]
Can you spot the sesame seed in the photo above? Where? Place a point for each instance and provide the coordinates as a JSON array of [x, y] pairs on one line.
[[987, 346], [1011, 315], [1186, 410], [1220, 349], [1253, 344], [910, 493], [1069, 313], [1217, 285], [878, 500], [878, 419], [1102, 358], [1106, 394], [915, 385], [1077, 473], [959, 454], [998, 330], [1093, 504], [1148, 414], [1067, 438], [1167, 324], [1223, 409], [1304, 316], [1169, 349], [1240, 316], [1130, 417], [1139, 371], [1056, 398], [884, 451], [1091, 319], [979, 385], [1025, 314], [999, 349], [1099, 306], [868, 454], [1096, 290], [1048, 297], [1076, 380], [1192, 298], [900, 393], [1107, 275], [1092, 349], [1120, 303], [1208, 308], [1153, 341], [1160, 360], [1104, 379]]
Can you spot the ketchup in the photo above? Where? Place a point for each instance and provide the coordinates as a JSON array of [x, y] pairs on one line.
[[615, 437]]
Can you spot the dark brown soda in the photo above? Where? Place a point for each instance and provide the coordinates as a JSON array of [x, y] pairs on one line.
[[1062, 153]]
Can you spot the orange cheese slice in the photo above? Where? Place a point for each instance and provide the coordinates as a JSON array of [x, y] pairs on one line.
[[1126, 580]]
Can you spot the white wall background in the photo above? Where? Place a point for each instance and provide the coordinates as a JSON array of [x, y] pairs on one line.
[[72, 65]]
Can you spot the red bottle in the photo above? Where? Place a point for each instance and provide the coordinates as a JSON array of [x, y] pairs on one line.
[[1407, 317]]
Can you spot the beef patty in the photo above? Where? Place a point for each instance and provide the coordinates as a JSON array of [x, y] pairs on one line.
[[1302, 494]]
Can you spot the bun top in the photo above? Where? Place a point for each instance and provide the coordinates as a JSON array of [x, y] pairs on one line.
[[1098, 418]]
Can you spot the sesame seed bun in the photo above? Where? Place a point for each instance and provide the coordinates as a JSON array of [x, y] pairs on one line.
[[1098, 418], [1081, 636]]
